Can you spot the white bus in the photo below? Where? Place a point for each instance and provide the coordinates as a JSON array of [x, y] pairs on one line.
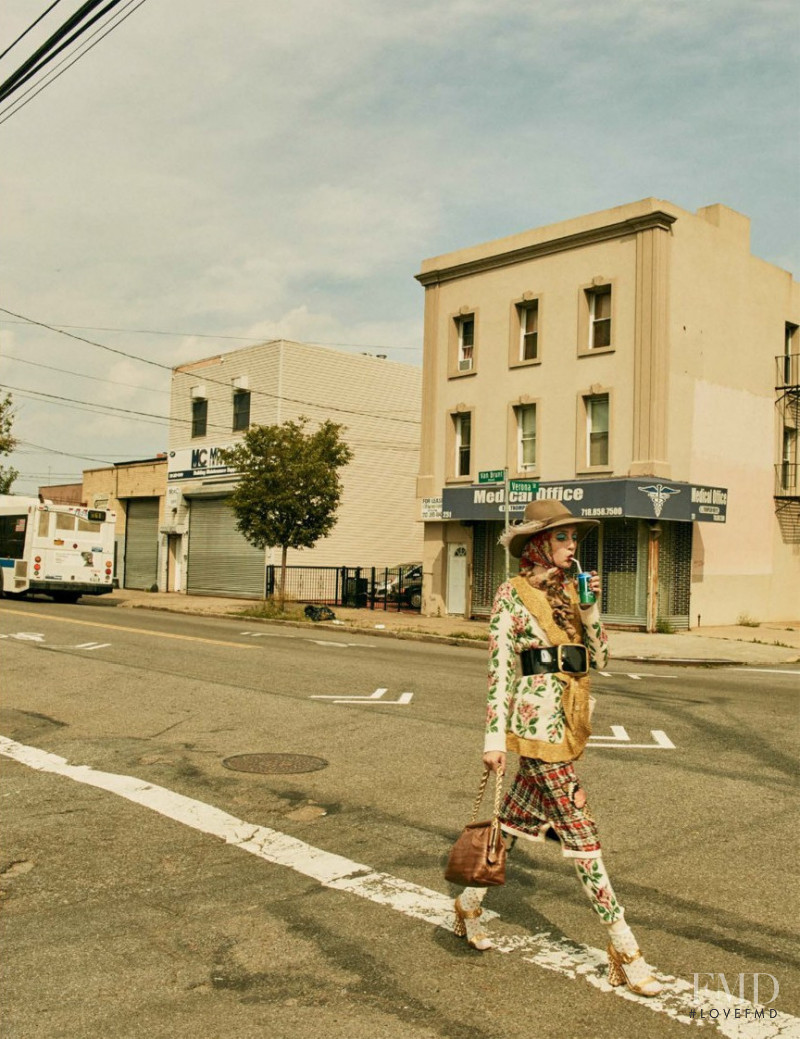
[[65, 551]]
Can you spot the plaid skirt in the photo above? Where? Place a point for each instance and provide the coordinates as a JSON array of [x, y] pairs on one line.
[[547, 800]]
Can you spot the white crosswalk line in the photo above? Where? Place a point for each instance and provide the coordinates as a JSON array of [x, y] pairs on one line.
[[578, 963]]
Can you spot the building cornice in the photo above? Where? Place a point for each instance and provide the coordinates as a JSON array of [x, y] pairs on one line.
[[649, 221]]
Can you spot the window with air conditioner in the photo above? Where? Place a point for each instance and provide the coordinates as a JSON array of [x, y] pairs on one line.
[[466, 342]]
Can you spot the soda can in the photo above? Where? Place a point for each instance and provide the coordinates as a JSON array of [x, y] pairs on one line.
[[585, 593]]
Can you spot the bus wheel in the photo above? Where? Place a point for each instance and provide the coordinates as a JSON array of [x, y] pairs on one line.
[[66, 596]]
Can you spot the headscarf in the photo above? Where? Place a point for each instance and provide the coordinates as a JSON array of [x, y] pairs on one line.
[[537, 553]]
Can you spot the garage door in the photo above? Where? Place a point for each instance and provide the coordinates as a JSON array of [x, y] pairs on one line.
[[141, 543], [221, 561]]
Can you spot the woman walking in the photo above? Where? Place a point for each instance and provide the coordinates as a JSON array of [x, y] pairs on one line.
[[543, 716]]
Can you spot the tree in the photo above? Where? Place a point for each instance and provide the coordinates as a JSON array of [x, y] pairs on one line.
[[289, 486], [7, 443]]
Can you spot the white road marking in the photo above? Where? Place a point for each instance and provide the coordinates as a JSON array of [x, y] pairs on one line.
[[762, 670], [433, 907], [28, 636], [93, 645], [661, 741], [376, 697], [639, 674], [617, 733], [638, 678]]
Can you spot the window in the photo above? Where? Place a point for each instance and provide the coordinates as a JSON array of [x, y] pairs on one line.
[[791, 357], [466, 342], [12, 536], [241, 409], [528, 331], [597, 430], [65, 521], [599, 300], [199, 417], [526, 436], [463, 443], [789, 475]]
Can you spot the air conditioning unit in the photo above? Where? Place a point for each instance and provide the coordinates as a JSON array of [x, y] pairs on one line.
[[465, 365]]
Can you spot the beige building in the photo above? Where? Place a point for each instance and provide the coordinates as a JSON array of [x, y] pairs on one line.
[[641, 365], [215, 399], [136, 492]]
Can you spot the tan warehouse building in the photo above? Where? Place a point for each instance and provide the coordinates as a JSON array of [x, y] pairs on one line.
[[642, 366], [215, 399]]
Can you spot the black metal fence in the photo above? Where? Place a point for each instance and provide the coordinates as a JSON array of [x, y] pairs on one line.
[[381, 588]]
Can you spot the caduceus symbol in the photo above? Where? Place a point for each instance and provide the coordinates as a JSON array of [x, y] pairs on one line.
[[658, 493]]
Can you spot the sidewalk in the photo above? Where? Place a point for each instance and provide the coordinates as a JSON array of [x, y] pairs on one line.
[[770, 643]]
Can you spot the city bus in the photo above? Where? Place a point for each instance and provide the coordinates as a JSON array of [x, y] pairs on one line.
[[65, 551]]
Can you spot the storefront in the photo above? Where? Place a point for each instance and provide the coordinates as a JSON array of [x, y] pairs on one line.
[[642, 548]]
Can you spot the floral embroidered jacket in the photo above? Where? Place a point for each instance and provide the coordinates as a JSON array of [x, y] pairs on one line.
[[542, 716]]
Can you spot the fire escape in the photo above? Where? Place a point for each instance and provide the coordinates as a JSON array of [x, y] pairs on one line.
[[787, 401]]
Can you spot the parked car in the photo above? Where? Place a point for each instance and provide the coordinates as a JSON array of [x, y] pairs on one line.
[[406, 587]]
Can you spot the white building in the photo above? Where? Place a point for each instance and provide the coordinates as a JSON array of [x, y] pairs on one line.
[[215, 399]]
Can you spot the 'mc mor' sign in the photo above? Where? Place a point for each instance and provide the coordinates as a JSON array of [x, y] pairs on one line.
[[194, 463], [643, 498]]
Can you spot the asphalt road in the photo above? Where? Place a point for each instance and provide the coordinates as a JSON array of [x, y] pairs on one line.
[[119, 921]]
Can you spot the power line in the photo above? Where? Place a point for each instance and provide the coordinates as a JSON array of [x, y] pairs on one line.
[[81, 375], [112, 411], [40, 55], [206, 378], [16, 106], [31, 26], [68, 454], [209, 335]]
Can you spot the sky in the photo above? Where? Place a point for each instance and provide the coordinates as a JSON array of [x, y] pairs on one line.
[[212, 175]]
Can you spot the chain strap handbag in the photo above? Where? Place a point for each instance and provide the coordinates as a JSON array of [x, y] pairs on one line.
[[478, 858]]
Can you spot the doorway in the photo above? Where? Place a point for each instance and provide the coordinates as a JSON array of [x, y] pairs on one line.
[[457, 579]]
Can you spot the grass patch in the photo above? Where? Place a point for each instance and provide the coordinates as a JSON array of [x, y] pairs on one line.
[[746, 621], [270, 610], [663, 627]]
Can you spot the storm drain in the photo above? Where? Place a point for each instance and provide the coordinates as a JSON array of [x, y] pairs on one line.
[[269, 763]]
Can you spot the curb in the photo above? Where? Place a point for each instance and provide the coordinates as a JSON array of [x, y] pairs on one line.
[[430, 637]]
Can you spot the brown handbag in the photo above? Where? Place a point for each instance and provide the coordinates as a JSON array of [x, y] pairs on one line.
[[478, 858]]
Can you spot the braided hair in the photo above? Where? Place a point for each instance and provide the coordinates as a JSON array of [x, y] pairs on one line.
[[537, 553]]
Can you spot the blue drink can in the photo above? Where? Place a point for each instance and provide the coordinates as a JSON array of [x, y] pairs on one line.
[[585, 593]]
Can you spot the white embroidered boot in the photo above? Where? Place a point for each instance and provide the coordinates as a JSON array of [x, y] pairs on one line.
[[626, 965], [468, 912]]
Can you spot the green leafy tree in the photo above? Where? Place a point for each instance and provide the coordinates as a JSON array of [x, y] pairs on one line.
[[289, 487], [7, 443]]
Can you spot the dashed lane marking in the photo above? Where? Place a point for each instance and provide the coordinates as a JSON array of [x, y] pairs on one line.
[[90, 646], [135, 631], [567, 958]]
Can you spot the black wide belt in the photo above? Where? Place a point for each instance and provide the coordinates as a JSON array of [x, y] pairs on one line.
[[571, 659]]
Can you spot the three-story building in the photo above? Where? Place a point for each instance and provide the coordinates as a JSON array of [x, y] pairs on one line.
[[624, 362]]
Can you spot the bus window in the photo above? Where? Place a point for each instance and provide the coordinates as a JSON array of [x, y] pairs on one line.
[[44, 524], [12, 536], [65, 521], [87, 527]]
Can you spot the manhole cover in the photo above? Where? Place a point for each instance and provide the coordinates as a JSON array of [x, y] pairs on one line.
[[284, 763]]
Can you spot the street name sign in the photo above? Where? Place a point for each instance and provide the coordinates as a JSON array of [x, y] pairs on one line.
[[491, 476], [525, 486]]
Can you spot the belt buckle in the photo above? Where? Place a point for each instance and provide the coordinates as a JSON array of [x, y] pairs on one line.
[[573, 659]]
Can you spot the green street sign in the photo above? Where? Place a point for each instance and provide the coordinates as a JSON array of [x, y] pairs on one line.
[[491, 476], [524, 486]]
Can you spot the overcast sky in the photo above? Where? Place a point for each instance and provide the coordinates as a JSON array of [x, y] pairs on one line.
[[268, 169]]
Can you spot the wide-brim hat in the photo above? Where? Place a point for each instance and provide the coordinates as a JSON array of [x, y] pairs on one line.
[[540, 516]]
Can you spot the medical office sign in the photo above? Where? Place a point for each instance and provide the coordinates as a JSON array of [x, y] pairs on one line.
[[643, 498], [192, 463]]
